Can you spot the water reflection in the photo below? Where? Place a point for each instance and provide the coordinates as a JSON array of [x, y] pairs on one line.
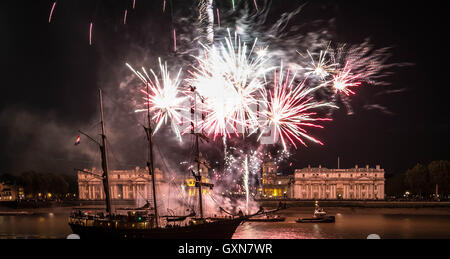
[[350, 223], [355, 223]]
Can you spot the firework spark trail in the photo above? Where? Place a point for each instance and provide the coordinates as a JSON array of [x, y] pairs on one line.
[[125, 17], [229, 81], [206, 20], [256, 5], [246, 183], [322, 68], [367, 61], [90, 34], [344, 79], [134, 4], [164, 6], [164, 97], [218, 16], [174, 40], [51, 12], [290, 110]]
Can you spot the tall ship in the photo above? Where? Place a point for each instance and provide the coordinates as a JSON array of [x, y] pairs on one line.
[[145, 222]]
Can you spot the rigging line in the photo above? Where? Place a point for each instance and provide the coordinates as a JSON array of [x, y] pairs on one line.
[[142, 195], [93, 125], [111, 150], [167, 170], [119, 106]]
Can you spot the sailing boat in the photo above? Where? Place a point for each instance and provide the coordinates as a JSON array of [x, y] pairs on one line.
[[145, 222]]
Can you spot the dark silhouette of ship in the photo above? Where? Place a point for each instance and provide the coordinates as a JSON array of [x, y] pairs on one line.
[[145, 222]]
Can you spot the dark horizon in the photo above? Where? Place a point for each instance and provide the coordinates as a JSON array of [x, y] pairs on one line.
[[51, 77]]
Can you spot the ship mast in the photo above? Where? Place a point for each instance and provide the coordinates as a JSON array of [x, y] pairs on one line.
[[103, 151], [150, 165], [199, 176]]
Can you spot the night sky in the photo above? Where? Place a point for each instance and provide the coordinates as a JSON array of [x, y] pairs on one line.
[[50, 77]]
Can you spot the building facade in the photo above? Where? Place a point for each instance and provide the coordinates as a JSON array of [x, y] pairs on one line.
[[274, 185], [11, 192], [339, 184], [125, 184]]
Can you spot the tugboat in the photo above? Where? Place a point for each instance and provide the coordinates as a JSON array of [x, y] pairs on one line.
[[320, 216], [145, 222]]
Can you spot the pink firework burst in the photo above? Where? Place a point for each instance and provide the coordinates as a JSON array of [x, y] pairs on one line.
[[291, 108], [344, 79], [164, 97], [228, 78]]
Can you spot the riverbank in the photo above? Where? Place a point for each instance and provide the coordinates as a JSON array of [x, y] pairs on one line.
[[358, 204]]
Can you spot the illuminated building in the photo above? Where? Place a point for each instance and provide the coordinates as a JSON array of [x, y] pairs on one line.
[[334, 184], [11, 192], [272, 184], [125, 184]]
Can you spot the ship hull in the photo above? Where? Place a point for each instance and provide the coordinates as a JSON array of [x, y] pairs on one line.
[[266, 220], [212, 230], [326, 219]]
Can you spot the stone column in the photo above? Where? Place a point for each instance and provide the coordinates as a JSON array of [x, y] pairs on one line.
[[310, 191], [321, 196], [91, 192], [359, 191]]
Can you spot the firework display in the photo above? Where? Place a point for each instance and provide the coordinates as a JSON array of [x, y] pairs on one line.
[[229, 79], [237, 81], [291, 108], [163, 97], [248, 80]]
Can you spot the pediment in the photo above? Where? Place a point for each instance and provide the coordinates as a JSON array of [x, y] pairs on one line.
[[140, 179]]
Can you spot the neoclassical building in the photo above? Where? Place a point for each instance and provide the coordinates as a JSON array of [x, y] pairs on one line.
[[134, 184], [334, 184], [125, 184]]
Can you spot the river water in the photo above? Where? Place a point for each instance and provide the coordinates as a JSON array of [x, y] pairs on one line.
[[350, 223]]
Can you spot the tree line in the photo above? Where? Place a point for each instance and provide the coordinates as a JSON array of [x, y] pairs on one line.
[[34, 183], [420, 182]]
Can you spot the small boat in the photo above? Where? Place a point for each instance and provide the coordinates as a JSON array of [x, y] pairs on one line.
[[320, 216], [267, 218]]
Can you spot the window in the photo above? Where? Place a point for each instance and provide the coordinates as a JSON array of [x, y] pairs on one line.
[[339, 175], [374, 187], [303, 175], [118, 176]]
